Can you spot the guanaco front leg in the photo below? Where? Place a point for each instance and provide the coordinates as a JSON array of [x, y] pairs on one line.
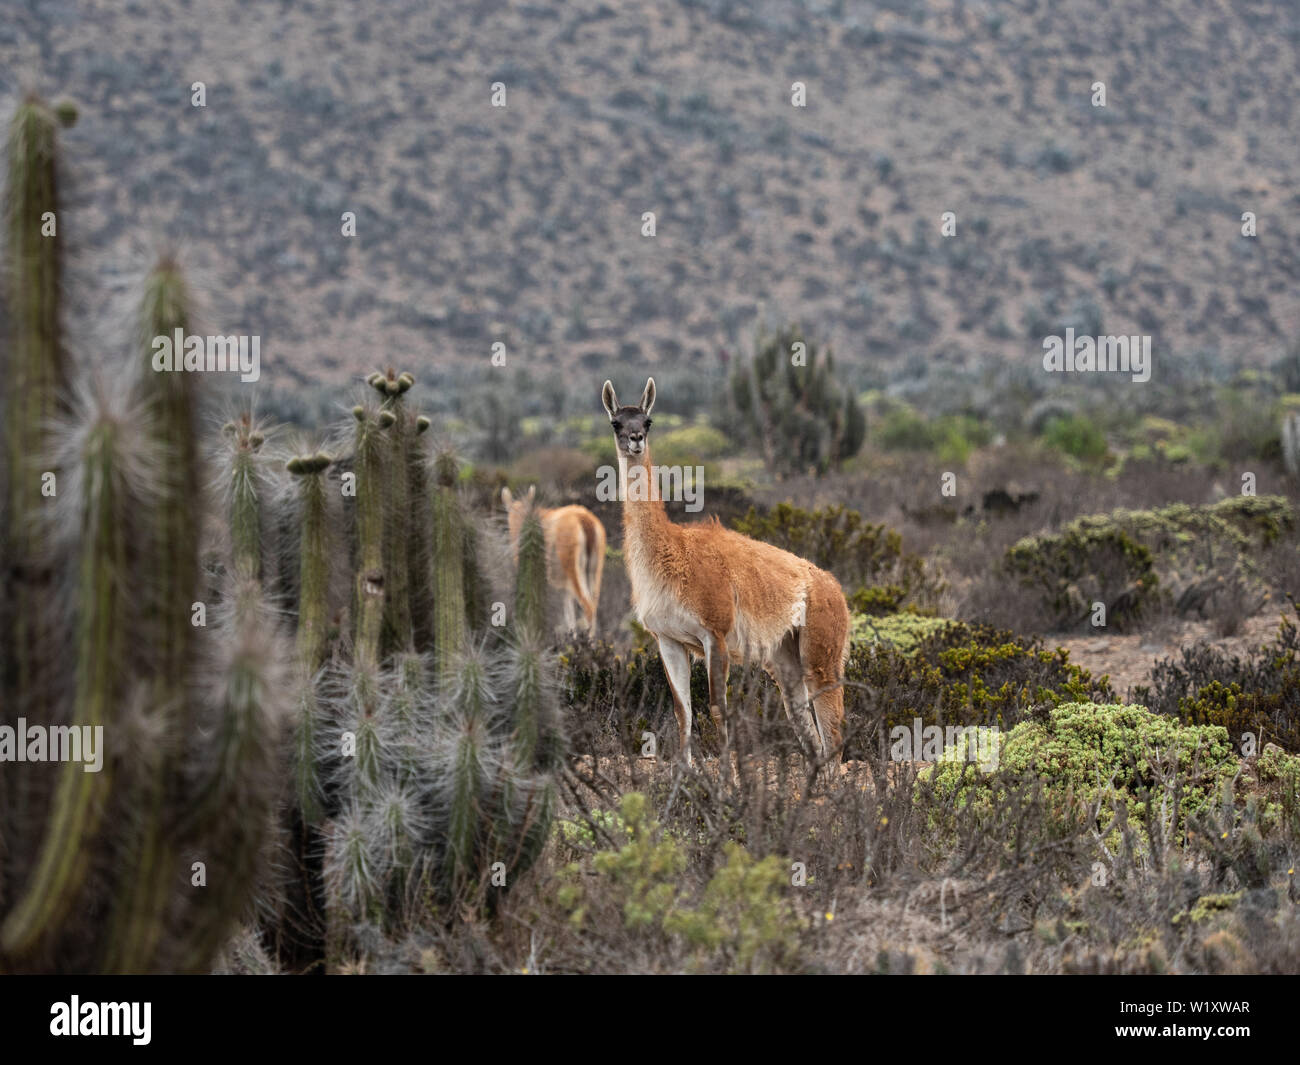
[[677, 668]]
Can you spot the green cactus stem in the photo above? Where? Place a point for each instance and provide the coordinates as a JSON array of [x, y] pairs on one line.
[[530, 582], [78, 803], [370, 581], [448, 569]]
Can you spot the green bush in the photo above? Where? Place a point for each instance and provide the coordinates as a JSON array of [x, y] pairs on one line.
[[1122, 558], [951, 437], [1091, 560], [958, 675], [1257, 693], [856, 551], [1077, 436], [741, 921], [690, 445], [1122, 755], [904, 632]]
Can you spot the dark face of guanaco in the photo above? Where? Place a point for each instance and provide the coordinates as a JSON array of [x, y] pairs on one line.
[[631, 425]]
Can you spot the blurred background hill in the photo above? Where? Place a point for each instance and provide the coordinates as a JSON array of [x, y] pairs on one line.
[[522, 224]]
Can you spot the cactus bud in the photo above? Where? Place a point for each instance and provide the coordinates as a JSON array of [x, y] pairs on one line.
[[66, 112]]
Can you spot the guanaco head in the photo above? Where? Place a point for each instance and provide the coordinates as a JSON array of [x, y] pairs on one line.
[[516, 511], [631, 425]]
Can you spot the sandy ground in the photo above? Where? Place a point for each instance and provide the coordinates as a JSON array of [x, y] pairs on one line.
[[1129, 659]]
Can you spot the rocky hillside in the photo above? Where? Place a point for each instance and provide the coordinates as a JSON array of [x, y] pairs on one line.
[[523, 223]]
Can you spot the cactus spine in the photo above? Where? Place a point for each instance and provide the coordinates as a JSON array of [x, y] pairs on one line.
[[530, 584], [448, 570], [370, 586]]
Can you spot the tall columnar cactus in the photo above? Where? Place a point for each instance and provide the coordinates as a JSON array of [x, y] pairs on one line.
[[788, 392], [33, 368], [313, 617], [136, 924], [487, 801], [465, 770], [420, 542], [245, 486], [530, 583], [313, 556], [397, 633], [448, 567], [102, 672], [371, 587], [115, 845], [478, 590], [237, 770], [537, 733]]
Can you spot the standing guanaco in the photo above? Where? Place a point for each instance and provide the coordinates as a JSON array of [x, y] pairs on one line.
[[706, 590]]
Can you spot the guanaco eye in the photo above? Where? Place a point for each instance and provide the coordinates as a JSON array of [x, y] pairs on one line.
[[618, 426], [649, 422]]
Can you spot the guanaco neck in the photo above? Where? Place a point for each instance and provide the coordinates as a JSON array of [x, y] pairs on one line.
[[645, 522]]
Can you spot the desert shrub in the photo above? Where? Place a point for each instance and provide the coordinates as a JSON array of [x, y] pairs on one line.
[[740, 921], [1076, 435], [958, 675], [1258, 692], [1107, 755], [904, 632], [564, 467], [1089, 561], [861, 554], [612, 693], [1121, 559], [902, 428], [690, 445], [1244, 428], [950, 437], [1241, 524]]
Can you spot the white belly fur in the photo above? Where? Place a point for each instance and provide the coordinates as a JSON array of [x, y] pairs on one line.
[[660, 611]]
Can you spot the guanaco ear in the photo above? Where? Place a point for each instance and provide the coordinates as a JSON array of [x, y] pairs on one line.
[[610, 400], [507, 498], [532, 493], [648, 396]]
